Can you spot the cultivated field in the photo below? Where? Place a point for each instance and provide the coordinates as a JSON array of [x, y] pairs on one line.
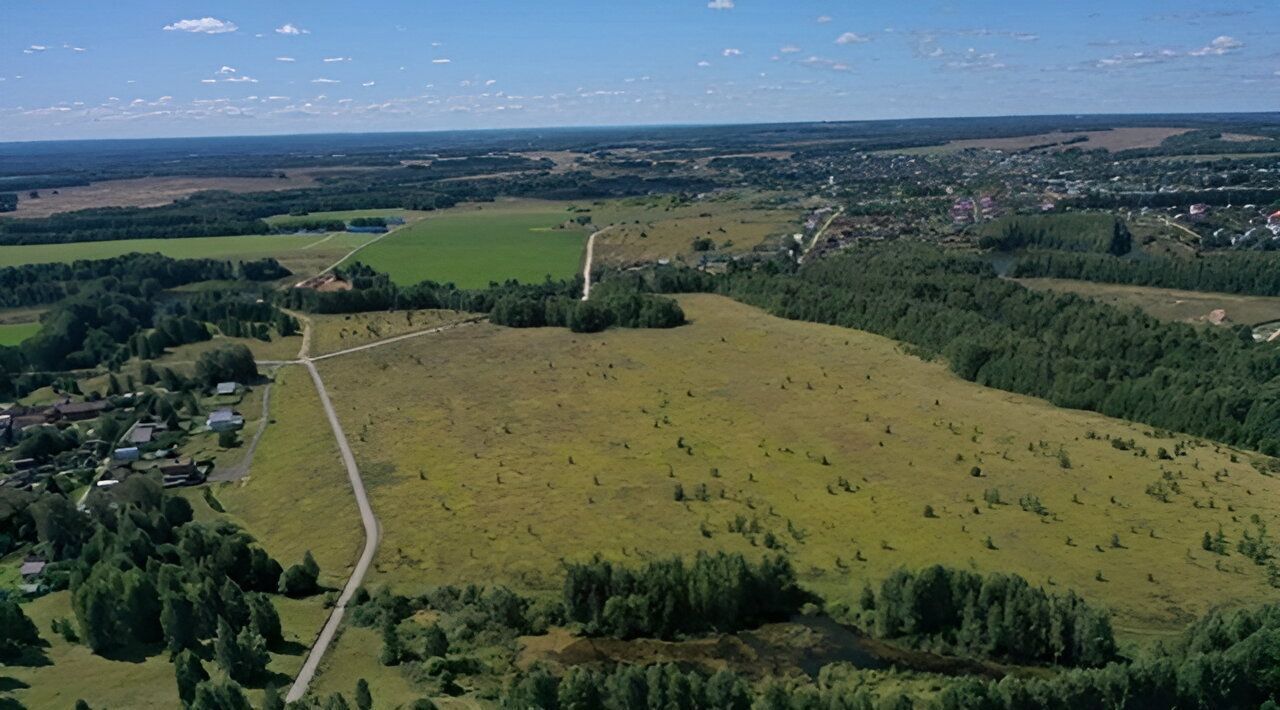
[[651, 228], [493, 454], [304, 254], [1169, 304], [148, 192], [472, 245]]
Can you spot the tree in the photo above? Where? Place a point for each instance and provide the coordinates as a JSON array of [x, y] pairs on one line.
[[227, 439], [243, 656], [227, 695], [190, 673], [271, 699], [228, 363], [364, 698], [177, 619], [265, 620], [17, 632], [301, 580]]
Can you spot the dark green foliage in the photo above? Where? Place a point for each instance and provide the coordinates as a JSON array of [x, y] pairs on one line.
[[997, 333], [243, 655], [190, 674], [301, 580], [228, 363], [364, 698], [718, 592], [17, 633], [226, 695], [997, 616], [1076, 232], [1252, 274], [629, 687]]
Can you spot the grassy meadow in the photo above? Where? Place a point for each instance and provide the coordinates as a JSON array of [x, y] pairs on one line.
[[1167, 303], [333, 332], [14, 333], [664, 227], [302, 253], [493, 454], [472, 245], [284, 220]]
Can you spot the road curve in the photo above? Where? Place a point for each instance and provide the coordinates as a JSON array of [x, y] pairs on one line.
[[372, 534]]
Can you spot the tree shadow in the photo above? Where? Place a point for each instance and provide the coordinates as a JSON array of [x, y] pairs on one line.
[[8, 685], [32, 657], [133, 653], [289, 648], [11, 704], [279, 680]]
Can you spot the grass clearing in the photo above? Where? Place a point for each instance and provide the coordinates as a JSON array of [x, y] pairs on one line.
[[304, 254], [472, 245], [492, 454], [333, 332], [15, 333], [1167, 303], [652, 228]]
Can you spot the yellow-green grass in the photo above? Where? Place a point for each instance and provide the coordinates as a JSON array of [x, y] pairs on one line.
[[354, 655], [204, 446], [278, 348], [14, 333], [302, 253], [493, 454], [472, 245], [331, 333], [128, 681], [297, 496], [1167, 303], [646, 229], [344, 216]]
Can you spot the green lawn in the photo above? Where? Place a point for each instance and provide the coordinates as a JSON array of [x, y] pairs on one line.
[[14, 333], [473, 245]]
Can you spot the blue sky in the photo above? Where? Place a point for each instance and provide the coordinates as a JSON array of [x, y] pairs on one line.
[[150, 68]]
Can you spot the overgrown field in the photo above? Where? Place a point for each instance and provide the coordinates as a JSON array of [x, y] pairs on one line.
[[665, 227], [303, 254], [494, 454], [1169, 304], [334, 332], [474, 244]]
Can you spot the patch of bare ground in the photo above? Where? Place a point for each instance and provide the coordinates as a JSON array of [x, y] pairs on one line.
[[154, 191], [801, 646], [1241, 138], [1113, 140]]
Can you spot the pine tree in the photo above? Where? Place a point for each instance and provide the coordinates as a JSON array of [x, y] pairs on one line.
[[190, 673], [364, 698]]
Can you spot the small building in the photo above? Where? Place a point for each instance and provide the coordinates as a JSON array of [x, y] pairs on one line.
[[126, 453], [23, 464], [180, 472], [224, 420], [80, 411], [225, 389], [32, 567], [1273, 219], [1198, 212], [143, 433]]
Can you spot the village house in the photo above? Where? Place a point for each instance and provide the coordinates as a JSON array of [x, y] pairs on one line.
[[226, 389], [80, 411], [224, 420]]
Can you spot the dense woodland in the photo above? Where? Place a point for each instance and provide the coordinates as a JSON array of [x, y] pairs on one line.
[[1079, 232], [1252, 274], [1213, 383]]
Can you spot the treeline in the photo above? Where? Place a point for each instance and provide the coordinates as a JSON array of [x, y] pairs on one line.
[[516, 305], [1253, 273], [1219, 198], [997, 616], [629, 686], [1069, 350], [8, 201], [1083, 232], [715, 593], [38, 284]]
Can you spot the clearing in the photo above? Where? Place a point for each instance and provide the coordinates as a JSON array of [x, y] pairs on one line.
[[492, 454], [14, 333], [331, 333], [474, 244], [1167, 303], [151, 191]]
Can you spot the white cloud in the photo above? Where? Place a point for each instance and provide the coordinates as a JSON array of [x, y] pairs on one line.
[[1025, 36], [815, 62], [289, 28], [441, 61], [490, 82], [330, 60], [38, 47], [824, 19], [1219, 46], [732, 52], [241, 79], [704, 63], [789, 49], [369, 83], [852, 38], [226, 70], [323, 80], [208, 81], [720, 4], [972, 59], [285, 59], [204, 25]]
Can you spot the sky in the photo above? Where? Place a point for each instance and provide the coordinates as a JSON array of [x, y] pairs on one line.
[[151, 68]]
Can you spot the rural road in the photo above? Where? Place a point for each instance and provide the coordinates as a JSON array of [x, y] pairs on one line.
[[591, 255], [236, 472], [371, 537], [396, 339], [818, 235]]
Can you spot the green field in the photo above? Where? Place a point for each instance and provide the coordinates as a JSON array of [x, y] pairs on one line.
[[14, 333], [493, 454], [474, 244], [307, 253], [343, 215], [1167, 303]]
